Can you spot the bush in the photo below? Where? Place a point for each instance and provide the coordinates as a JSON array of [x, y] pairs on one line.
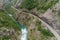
[[29, 4], [59, 13], [42, 30], [46, 5]]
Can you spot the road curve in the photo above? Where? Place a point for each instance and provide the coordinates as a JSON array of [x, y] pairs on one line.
[[47, 25]]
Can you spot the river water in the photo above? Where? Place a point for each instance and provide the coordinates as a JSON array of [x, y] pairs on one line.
[[23, 29], [8, 4]]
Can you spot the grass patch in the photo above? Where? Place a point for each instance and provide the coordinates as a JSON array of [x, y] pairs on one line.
[[12, 11], [29, 4], [42, 30], [45, 5], [6, 38], [6, 21], [59, 13]]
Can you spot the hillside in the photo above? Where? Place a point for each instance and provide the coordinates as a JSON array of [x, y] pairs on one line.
[[30, 20]]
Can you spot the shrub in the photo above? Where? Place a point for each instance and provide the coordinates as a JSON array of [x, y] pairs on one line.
[[42, 30], [29, 4]]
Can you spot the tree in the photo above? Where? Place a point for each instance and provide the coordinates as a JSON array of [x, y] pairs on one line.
[[29, 4]]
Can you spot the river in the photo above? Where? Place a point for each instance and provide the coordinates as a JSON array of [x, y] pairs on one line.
[[8, 4], [23, 29]]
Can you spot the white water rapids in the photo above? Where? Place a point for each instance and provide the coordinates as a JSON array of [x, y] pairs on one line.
[[24, 34], [23, 30]]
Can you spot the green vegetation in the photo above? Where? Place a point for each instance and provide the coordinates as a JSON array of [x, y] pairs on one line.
[[9, 3], [6, 21], [6, 38], [32, 38], [29, 4], [59, 13], [11, 11], [42, 33], [44, 5], [8, 7], [41, 5], [42, 30]]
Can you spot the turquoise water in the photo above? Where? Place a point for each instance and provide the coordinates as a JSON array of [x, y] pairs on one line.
[[22, 27]]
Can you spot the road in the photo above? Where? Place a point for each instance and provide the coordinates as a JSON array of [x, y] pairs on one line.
[[43, 21]]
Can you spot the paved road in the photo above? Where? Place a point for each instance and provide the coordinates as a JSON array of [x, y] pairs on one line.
[[43, 21]]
